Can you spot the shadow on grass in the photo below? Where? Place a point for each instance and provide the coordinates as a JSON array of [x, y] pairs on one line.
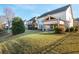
[[49, 47], [46, 33], [51, 33]]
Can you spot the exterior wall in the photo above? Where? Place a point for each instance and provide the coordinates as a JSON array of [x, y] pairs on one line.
[[75, 23], [66, 16], [26, 24], [49, 24], [47, 27], [40, 21], [54, 22], [69, 18], [32, 24], [61, 15]]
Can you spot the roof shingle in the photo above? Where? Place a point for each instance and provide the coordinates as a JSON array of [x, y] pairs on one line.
[[55, 11]]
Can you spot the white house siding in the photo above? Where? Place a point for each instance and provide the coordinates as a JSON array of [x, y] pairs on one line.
[[40, 23], [47, 27], [69, 17], [61, 22], [66, 16], [54, 22], [60, 15], [48, 24]]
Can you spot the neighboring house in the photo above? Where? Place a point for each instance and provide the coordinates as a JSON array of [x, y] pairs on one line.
[[6, 22], [3, 21], [32, 23], [25, 23], [76, 22], [2, 26], [7, 18], [61, 17]]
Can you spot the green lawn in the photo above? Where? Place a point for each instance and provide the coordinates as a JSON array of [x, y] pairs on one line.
[[28, 42], [69, 44], [40, 42]]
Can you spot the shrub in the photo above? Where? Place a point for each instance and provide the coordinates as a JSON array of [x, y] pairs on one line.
[[76, 28], [67, 30], [72, 29], [60, 30], [17, 26]]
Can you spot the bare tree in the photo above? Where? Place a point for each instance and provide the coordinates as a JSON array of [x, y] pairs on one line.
[[9, 14]]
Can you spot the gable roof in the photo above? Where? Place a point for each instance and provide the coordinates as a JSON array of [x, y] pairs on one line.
[[32, 19], [77, 19], [55, 11]]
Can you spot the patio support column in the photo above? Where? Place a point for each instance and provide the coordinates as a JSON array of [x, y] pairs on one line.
[[49, 20], [49, 17], [58, 22], [53, 26]]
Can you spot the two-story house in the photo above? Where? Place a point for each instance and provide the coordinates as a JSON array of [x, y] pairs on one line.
[[61, 17]]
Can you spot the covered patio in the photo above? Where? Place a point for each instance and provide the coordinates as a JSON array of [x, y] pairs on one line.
[[51, 22]]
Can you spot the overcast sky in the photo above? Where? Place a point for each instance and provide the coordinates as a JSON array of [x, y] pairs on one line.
[[27, 11]]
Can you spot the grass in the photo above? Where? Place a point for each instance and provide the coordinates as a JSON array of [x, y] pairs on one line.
[[40, 42], [28, 42], [70, 44]]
